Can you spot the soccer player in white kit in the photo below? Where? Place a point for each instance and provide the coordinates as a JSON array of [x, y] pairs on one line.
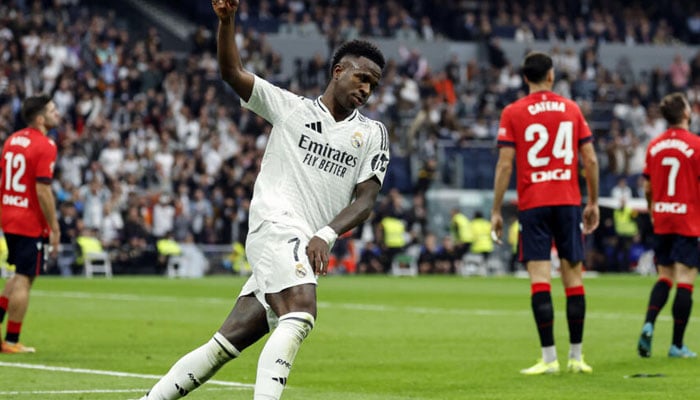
[[320, 176]]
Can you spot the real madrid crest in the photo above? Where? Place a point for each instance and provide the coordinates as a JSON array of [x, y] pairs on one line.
[[301, 271], [357, 140]]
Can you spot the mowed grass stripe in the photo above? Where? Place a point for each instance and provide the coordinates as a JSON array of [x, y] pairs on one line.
[[325, 304]]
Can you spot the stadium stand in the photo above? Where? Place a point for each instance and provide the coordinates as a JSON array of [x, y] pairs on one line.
[[146, 113]]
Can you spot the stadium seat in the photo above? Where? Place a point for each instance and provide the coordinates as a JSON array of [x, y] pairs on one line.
[[475, 264], [173, 268], [472, 264], [97, 263], [646, 265], [406, 262]]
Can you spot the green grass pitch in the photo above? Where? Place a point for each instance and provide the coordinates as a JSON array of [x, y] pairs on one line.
[[376, 338]]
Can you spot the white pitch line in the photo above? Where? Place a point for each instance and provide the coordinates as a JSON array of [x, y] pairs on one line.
[[110, 373], [32, 392]]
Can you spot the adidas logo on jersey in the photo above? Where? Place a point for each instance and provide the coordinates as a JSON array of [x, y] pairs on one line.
[[315, 126]]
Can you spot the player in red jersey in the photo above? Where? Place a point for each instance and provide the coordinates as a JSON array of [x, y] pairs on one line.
[[545, 133], [28, 210], [673, 196]]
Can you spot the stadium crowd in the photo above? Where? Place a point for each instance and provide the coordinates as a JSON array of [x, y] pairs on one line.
[[154, 146]]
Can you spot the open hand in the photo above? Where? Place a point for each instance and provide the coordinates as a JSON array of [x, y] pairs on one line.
[[225, 8], [496, 227], [317, 251], [54, 243], [591, 217]]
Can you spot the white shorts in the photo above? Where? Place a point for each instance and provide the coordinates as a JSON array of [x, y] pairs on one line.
[[277, 256]]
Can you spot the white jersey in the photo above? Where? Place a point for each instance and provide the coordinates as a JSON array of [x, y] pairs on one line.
[[312, 163]]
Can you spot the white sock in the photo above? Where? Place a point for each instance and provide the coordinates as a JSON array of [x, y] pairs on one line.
[[549, 354], [575, 351], [193, 369], [277, 356]]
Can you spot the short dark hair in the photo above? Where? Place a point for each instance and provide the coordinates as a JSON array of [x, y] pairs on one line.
[[33, 106], [673, 107], [536, 66], [359, 48]]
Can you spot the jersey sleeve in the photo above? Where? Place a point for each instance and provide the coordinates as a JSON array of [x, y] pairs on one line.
[[585, 134], [269, 101], [377, 159], [46, 160], [505, 129], [647, 159]]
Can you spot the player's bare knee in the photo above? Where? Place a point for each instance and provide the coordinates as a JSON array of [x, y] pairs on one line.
[[300, 298], [244, 332]]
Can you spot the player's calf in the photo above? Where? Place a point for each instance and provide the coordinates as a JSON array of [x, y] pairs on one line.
[[195, 368], [278, 355]]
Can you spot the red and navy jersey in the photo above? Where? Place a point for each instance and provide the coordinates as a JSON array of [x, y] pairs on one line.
[[673, 169], [546, 130], [28, 157]]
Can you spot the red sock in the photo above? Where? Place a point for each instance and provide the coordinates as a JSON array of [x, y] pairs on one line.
[[575, 291], [540, 287], [13, 329], [3, 307], [575, 312]]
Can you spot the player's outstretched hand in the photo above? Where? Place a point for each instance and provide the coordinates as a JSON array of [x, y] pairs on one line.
[[225, 8], [591, 218], [317, 251]]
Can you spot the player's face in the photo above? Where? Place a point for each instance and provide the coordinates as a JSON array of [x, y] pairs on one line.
[[356, 82], [51, 116]]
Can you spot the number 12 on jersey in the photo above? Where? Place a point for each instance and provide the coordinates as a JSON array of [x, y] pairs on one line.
[[15, 167]]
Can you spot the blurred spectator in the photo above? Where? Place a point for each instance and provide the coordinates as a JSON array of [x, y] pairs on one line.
[[481, 230], [370, 259], [163, 217], [194, 263], [94, 195], [428, 254], [392, 236], [462, 232], [679, 73], [200, 211], [621, 193], [112, 225], [426, 176], [447, 257], [626, 229]]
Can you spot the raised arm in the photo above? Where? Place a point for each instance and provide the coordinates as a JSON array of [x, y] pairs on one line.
[[230, 65]]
